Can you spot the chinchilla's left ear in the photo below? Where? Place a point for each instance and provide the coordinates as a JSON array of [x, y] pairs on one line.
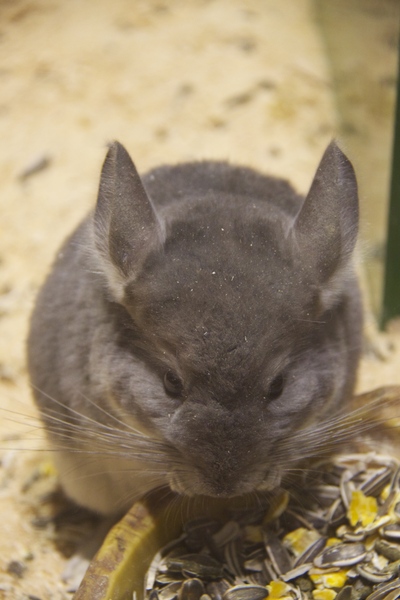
[[325, 230]]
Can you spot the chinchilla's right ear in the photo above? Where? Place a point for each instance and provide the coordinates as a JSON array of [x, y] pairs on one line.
[[126, 226]]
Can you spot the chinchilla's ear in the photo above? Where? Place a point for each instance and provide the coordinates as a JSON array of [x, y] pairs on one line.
[[126, 226], [325, 229]]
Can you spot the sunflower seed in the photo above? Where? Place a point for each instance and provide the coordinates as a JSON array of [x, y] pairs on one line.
[[268, 569], [195, 565], [393, 594], [253, 564], [395, 483], [345, 593], [327, 494], [216, 589], [388, 550], [229, 532], [293, 519], [360, 590], [370, 574], [375, 484], [165, 578], [349, 535], [346, 487], [341, 555], [311, 552], [257, 578], [313, 520], [396, 508], [151, 573], [277, 553], [337, 512], [388, 503], [233, 558], [246, 592], [391, 532], [393, 567], [372, 527], [296, 572], [381, 591], [191, 589], [170, 592], [199, 531]]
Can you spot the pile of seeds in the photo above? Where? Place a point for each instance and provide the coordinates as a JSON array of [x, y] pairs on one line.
[[339, 539]]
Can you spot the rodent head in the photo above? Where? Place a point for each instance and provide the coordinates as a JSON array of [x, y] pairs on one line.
[[238, 313]]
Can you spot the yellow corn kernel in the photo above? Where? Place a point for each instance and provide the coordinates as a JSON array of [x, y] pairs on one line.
[[330, 580], [300, 539], [277, 507], [278, 589], [363, 509], [323, 594], [253, 534], [385, 492], [333, 541]]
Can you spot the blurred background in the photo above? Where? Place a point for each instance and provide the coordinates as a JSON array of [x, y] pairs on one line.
[[265, 83]]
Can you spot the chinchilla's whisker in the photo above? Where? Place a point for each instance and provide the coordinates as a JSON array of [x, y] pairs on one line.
[[124, 424], [342, 427], [126, 445], [78, 416], [145, 450], [75, 413], [129, 438], [127, 499], [314, 446]]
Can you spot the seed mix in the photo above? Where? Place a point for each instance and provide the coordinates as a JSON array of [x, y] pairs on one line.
[[339, 540]]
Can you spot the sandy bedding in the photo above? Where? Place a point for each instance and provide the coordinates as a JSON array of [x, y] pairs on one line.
[[240, 80]]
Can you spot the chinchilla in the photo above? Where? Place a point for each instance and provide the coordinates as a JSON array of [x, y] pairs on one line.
[[199, 330]]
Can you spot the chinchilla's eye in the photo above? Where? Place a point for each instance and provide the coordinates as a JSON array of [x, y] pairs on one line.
[[172, 383], [276, 387]]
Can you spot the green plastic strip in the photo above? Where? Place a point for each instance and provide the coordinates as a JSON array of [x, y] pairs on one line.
[[391, 292]]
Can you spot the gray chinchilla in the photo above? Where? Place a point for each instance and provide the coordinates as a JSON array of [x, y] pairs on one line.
[[198, 330]]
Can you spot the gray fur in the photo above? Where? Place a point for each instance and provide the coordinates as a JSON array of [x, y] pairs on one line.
[[224, 279]]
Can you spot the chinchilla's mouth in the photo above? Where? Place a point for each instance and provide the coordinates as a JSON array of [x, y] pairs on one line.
[[192, 484]]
